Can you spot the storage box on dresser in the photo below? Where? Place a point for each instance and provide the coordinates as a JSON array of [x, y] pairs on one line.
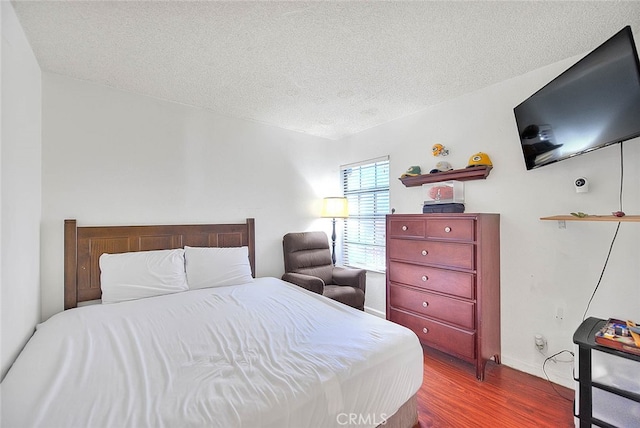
[[443, 282]]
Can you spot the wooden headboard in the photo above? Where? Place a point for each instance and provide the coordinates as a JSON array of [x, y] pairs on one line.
[[84, 245]]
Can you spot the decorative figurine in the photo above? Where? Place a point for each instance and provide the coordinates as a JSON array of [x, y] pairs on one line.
[[439, 150]]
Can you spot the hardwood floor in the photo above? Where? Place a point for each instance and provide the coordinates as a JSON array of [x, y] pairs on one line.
[[451, 396]]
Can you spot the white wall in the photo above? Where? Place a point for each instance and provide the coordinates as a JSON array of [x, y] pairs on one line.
[[20, 189], [543, 268], [112, 157]]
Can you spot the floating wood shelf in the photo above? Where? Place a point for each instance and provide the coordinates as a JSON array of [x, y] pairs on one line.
[[627, 218], [473, 173]]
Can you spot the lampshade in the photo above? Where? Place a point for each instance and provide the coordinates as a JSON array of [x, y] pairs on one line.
[[335, 207]]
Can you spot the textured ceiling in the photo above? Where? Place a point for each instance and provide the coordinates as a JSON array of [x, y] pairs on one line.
[[328, 68]]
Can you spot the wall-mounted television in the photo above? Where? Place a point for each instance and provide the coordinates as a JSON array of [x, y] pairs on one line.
[[593, 104]]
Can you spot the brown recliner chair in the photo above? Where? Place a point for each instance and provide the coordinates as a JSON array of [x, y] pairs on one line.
[[307, 263]]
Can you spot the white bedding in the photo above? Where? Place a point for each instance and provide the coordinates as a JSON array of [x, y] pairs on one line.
[[264, 354]]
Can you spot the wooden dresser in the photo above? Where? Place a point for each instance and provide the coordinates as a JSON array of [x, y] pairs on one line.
[[443, 282]]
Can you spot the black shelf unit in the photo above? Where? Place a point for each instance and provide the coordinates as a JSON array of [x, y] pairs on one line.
[[584, 338]]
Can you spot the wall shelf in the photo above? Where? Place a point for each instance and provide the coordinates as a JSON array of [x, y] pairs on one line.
[[626, 218], [473, 173]]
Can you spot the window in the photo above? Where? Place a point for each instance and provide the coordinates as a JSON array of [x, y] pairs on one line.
[[366, 187]]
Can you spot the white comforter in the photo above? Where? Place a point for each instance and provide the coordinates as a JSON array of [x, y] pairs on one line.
[[263, 354]]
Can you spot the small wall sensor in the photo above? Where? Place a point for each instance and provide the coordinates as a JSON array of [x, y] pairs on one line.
[[581, 184]]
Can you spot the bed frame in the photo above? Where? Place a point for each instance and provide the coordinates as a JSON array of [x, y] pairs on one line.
[[84, 245]]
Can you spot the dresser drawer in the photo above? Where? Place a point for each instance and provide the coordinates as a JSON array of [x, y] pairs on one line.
[[443, 281], [449, 254], [441, 336], [443, 308], [455, 229], [404, 228]]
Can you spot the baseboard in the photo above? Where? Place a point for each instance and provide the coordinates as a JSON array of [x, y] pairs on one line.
[[536, 370]]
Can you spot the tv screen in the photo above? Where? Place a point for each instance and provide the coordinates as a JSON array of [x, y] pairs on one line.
[[593, 104]]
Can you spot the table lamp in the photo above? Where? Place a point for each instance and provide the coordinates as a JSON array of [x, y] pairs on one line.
[[334, 207]]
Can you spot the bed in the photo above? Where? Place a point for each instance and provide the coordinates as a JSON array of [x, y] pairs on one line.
[[259, 353]]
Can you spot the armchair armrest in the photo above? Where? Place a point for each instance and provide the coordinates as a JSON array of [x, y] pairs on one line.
[[311, 283], [350, 276]]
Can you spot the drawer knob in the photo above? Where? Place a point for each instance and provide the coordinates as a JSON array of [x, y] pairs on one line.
[[425, 252], [447, 229], [404, 228], [425, 278], [425, 330], [425, 304]]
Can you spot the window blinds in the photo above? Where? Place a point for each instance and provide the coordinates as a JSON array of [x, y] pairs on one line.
[[366, 187]]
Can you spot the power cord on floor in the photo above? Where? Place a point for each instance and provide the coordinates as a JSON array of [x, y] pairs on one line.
[[553, 358]]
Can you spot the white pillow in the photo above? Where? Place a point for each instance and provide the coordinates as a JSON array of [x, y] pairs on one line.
[[216, 267], [135, 275]]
